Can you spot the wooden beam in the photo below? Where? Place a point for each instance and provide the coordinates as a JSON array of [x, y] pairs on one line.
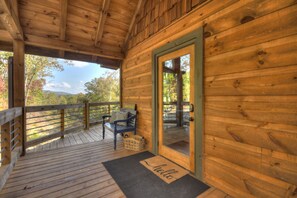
[[94, 58], [63, 23], [18, 73], [6, 46], [34, 50], [10, 20], [101, 22], [5, 36], [140, 2], [71, 47]]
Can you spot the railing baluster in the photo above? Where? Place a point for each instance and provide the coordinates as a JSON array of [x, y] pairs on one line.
[[19, 125], [62, 112], [87, 115], [23, 130], [108, 109], [5, 143]]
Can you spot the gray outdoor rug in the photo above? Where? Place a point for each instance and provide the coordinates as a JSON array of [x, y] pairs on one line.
[[137, 181]]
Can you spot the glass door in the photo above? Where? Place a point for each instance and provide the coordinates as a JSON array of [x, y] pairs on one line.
[[176, 109]]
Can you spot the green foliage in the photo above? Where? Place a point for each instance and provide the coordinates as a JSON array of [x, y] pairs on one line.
[[104, 89], [170, 81], [3, 79], [38, 68]]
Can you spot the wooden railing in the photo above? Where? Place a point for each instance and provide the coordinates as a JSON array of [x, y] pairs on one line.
[[44, 123], [11, 132], [171, 113]]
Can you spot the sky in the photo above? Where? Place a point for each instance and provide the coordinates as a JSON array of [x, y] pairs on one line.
[[73, 77]]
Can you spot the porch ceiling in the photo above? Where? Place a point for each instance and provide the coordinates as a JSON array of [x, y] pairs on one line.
[[88, 30]]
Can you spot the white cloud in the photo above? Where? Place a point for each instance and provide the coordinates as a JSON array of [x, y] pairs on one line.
[[79, 64], [62, 85]]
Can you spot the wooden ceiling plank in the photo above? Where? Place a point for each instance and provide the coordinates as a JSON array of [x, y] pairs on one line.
[[101, 22], [63, 20], [140, 2], [72, 47], [10, 20], [63, 23]]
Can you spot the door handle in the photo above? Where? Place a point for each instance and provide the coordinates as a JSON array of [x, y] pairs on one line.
[[191, 108], [191, 119]]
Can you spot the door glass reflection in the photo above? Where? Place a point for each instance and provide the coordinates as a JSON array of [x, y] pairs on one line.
[[176, 97]]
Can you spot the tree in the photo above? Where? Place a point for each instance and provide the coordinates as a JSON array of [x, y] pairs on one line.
[[4, 79], [37, 68], [104, 89]]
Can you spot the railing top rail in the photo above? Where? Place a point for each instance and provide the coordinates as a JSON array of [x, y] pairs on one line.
[[103, 103], [52, 107], [67, 106], [10, 114]]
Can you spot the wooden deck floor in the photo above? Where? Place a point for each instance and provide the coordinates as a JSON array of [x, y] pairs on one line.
[[70, 170], [94, 134], [73, 171]]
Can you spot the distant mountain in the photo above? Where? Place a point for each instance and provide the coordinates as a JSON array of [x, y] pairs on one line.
[[58, 93]]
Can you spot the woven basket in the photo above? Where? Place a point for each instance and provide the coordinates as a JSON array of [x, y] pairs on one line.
[[134, 143]]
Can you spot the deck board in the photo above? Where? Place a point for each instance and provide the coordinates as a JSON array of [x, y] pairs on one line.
[[70, 168], [60, 169], [81, 137]]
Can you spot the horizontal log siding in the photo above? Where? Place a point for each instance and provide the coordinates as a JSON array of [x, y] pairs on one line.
[[250, 87]]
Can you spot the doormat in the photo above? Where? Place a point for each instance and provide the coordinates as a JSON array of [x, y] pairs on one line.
[[164, 169], [136, 181]]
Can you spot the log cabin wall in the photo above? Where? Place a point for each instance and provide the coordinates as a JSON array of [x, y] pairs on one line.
[[250, 86]]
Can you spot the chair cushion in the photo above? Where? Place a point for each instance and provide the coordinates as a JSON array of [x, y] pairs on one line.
[[122, 116], [113, 116], [119, 115], [120, 129]]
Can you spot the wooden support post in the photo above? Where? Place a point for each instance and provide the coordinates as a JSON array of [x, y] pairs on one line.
[[19, 82], [179, 91], [5, 144], [62, 113], [87, 115]]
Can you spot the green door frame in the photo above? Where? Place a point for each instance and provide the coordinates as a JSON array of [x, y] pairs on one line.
[[196, 38]]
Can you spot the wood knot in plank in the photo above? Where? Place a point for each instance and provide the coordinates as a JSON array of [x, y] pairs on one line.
[[278, 143], [246, 19], [261, 62], [242, 112], [235, 137], [236, 84], [261, 52], [207, 34]]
